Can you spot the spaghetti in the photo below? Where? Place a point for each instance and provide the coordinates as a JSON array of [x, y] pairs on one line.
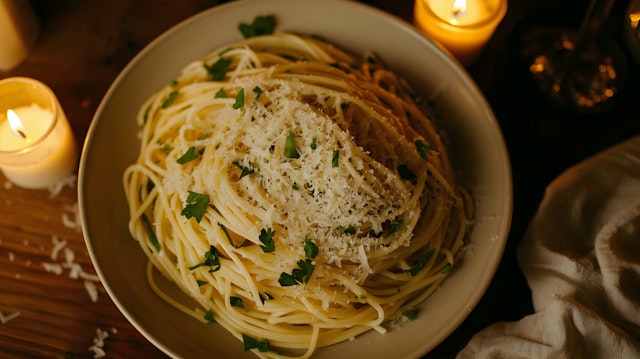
[[298, 193]]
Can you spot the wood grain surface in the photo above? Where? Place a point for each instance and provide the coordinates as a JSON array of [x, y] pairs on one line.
[[46, 310]]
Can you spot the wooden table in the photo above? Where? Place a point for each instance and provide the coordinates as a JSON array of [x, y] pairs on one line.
[[82, 47]]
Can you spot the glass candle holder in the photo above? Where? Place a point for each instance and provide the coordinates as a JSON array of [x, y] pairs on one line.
[[463, 27], [19, 28], [37, 146]]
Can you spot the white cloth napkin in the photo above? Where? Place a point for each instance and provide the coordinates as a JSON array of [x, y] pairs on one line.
[[581, 258]]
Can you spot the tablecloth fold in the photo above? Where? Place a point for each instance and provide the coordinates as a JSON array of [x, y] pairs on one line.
[[581, 258]]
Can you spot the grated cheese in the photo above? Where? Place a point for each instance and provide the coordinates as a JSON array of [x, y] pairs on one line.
[[56, 188], [57, 246], [98, 343], [74, 222], [75, 269]]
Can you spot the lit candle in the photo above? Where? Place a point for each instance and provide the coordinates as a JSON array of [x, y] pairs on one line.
[[463, 27], [37, 147], [18, 31]]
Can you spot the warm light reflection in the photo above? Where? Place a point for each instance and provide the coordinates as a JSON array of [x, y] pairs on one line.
[[16, 125], [459, 7], [635, 19]]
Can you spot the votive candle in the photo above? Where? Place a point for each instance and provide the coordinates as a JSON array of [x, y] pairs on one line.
[[463, 27], [37, 146]]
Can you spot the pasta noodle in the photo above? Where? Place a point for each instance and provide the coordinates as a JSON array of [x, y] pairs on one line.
[[301, 195]]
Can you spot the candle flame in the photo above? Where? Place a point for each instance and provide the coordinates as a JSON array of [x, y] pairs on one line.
[[459, 7], [16, 125]]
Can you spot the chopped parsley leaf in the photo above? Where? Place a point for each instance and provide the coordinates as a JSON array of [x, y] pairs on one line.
[[246, 170], [218, 70], [197, 204], [423, 149], [239, 100], [348, 230], [211, 260], [302, 274], [335, 158], [261, 25], [190, 155], [226, 233], [152, 235], [286, 280], [201, 282], [290, 150], [265, 297], [220, 94], [266, 238], [446, 269], [209, 316], [411, 314], [252, 343], [236, 302], [258, 91], [170, 99], [314, 143], [421, 264], [405, 173], [310, 248], [395, 225]]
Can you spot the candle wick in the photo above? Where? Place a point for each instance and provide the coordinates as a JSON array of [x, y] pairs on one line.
[[22, 134], [457, 12]]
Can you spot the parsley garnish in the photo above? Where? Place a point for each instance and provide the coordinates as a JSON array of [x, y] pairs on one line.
[[236, 302], [220, 94], [251, 343], [310, 248], [290, 150], [314, 144], [246, 170], [411, 314], [170, 99], [265, 297], [423, 149], [152, 235], [226, 233], [258, 91], [298, 275], [395, 225], [446, 269], [405, 173], [217, 71], [335, 158], [190, 155], [201, 282], [348, 230], [197, 204], [261, 25], [423, 262], [266, 238], [209, 316], [239, 100], [211, 260]]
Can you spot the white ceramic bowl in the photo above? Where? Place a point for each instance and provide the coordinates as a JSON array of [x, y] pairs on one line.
[[112, 144]]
